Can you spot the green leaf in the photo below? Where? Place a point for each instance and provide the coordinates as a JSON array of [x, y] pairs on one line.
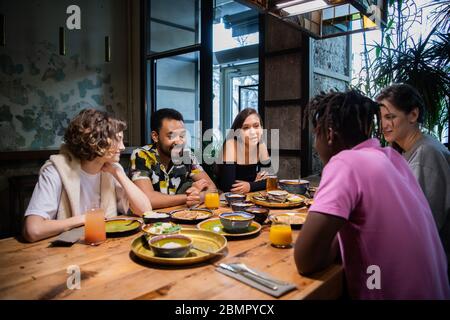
[[378, 51], [390, 23]]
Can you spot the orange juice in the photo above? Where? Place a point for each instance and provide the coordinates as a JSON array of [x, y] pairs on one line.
[[212, 200], [280, 235], [271, 183], [94, 227]]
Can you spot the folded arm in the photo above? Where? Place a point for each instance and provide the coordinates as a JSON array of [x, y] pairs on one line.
[[38, 228], [159, 200]]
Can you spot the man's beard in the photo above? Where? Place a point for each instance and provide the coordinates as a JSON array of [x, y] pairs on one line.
[[168, 151]]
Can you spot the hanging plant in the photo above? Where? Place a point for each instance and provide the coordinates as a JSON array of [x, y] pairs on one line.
[[422, 63]]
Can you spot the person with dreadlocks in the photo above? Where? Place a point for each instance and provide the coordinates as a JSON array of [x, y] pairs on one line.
[[370, 206]]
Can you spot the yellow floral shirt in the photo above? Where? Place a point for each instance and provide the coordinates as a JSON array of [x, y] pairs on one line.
[[146, 164]]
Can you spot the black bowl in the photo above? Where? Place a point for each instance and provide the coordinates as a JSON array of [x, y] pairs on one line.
[[241, 205], [149, 220], [234, 197], [260, 213]]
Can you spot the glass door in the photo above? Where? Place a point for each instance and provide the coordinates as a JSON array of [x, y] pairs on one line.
[[173, 49], [240, 91]]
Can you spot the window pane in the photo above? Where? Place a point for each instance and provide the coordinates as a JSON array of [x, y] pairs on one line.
[[235, 60], [177, 87], [173, 24]]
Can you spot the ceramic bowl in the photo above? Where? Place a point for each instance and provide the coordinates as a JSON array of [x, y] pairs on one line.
[[241, 206], [171, 246], [238, 221], [277, 195], [294, 186], [153, 217], [234, 197], [260, 213]]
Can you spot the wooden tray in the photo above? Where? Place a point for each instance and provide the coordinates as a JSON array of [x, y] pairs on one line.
[[205, 240], [269, 204]]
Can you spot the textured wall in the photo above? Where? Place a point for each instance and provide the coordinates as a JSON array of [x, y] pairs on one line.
[[40, 90], [283, 90], [331, 70], [332, 55], [287, 119]]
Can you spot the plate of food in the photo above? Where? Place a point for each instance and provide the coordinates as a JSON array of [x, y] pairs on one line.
[[295, 219], [205, 245], [278, 199], [193, 216], [215, 225], [122, 226], [160, 228]]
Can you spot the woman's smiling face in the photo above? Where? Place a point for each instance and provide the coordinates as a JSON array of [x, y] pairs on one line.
[[251, 130], [396, 124]]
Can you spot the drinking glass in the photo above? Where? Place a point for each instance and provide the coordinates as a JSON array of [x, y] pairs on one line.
[[212, 199], [280, 234], [272, 183], [94, 226]]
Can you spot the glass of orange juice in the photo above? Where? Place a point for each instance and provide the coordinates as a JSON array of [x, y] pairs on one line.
[[212, 199], [272, 183], [280, 234], [94, 226]]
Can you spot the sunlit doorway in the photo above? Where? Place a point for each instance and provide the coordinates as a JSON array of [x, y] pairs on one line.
[[235, 61]]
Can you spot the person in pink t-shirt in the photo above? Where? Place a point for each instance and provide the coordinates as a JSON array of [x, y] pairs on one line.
[[370, 206]]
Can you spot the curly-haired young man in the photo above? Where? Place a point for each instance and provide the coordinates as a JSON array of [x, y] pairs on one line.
[[85, 174]]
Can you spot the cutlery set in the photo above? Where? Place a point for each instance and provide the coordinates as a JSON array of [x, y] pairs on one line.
[[243, 270]]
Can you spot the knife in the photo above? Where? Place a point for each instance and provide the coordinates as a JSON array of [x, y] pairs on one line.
[[250, 276]]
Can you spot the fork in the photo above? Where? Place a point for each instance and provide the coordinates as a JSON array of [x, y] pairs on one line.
[[245, 268], [251, 276]]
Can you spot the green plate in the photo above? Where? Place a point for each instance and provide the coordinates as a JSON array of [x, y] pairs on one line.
[[122, 226], [216, 226], [205, 240]]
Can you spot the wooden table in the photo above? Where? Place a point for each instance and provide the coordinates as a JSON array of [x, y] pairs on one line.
[[110, 271]]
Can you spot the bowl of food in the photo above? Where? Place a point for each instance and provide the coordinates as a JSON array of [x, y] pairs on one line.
[[295, 219], [277, 196], [236, 221], [260, 213], [296, 198], [170, 246], [161, 228], [241, 206], [191, 215], [294, 186], [234, 197], [153, 217]]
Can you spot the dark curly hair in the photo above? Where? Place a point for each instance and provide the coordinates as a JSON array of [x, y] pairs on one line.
[[91, 134], [161, 114], [351, 115]]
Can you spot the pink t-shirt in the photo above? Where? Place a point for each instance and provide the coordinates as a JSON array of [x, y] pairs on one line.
[[389, 225]]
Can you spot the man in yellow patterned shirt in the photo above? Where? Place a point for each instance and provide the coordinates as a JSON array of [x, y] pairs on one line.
[[153, 169]]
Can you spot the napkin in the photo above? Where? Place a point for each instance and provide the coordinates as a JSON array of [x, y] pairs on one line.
[[70, 237], [282, 289]]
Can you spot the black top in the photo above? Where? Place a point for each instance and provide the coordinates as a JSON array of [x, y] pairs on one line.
[[230, 172]]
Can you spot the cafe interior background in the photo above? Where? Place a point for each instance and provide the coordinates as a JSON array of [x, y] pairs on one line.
[[208, 59]]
